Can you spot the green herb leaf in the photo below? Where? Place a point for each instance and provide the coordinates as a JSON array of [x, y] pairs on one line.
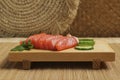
[[29, 43], [23, 46], [18, 48]]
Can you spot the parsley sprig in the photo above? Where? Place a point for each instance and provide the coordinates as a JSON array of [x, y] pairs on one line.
[[23, 46]]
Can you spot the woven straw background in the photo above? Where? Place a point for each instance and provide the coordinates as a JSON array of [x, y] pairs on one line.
[[25, 17], [99, 18]]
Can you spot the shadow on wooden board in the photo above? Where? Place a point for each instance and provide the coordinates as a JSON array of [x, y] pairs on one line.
[[51, 65]]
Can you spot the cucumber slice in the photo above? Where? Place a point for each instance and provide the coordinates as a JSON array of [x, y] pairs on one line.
[[86, 42], [84, 47], [89, 43]]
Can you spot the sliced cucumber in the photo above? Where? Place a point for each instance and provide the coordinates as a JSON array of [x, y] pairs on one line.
[[91, 43], [86, 42], [84, 47]]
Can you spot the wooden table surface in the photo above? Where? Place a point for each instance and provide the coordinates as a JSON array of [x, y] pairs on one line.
[[57, 71]]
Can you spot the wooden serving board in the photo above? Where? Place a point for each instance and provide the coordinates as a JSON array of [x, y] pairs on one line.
[[101, 52]]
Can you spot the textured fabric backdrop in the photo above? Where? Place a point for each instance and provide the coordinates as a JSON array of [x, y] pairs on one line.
[[21, 18], [99, 18]]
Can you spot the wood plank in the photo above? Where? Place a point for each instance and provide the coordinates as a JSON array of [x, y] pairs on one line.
[[101, 51], [96, 64], [26, 64]]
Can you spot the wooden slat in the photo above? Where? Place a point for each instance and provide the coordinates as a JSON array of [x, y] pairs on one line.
[[61, 57], [26, 64], [96, 63], [101, 51]]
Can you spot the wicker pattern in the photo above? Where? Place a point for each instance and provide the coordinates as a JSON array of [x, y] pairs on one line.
[[97, 18], [25, 17]]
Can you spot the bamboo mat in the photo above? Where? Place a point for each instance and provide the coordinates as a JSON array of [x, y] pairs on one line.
[[57, 71]]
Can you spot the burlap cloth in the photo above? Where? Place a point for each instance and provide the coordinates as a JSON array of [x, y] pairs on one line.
[[97, 18], [21, 18]]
